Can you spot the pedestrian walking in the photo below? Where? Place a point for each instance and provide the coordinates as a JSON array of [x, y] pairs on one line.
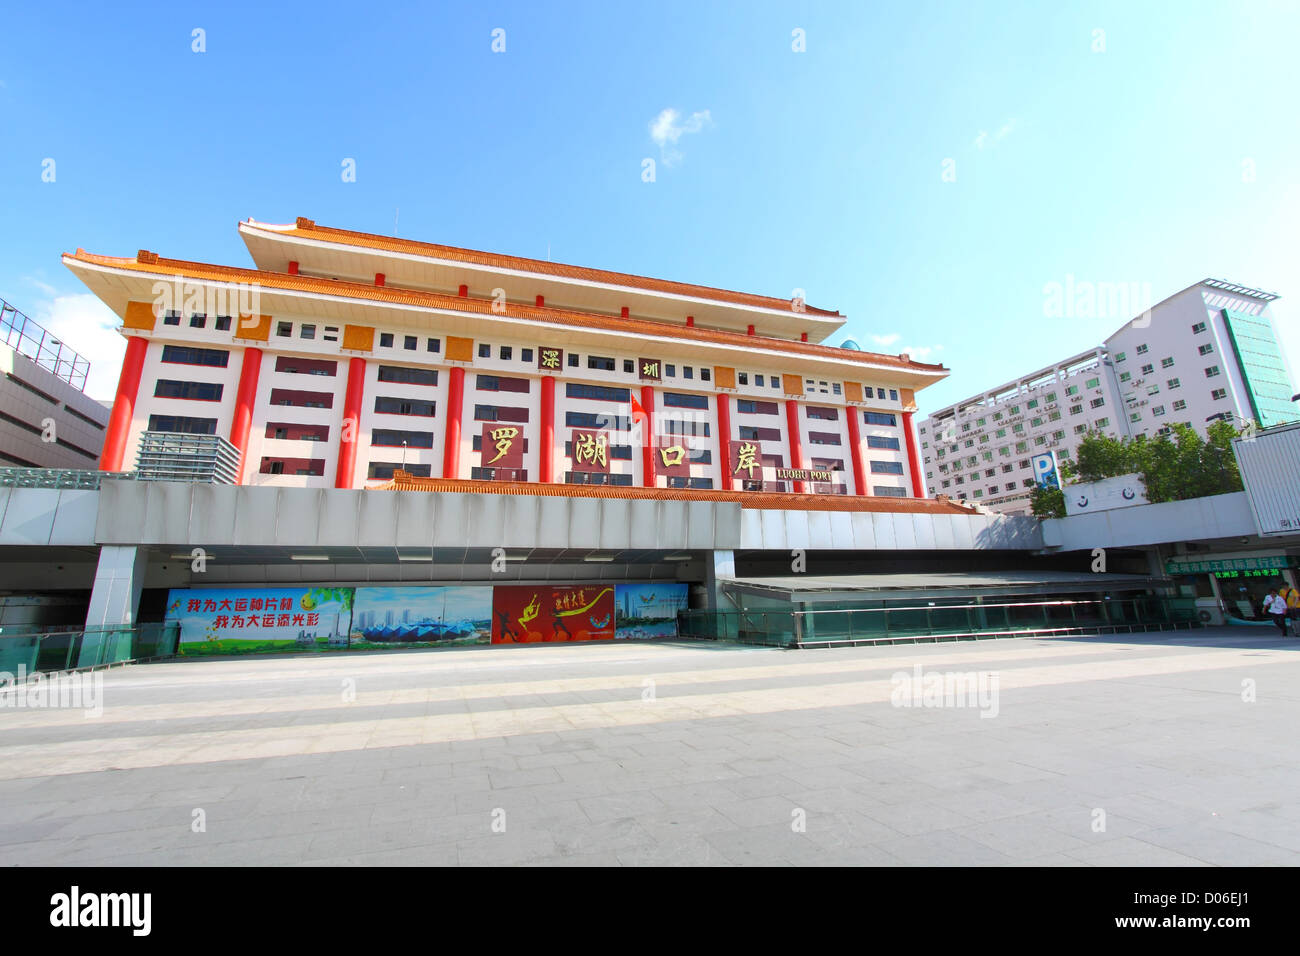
[[1275, 607]]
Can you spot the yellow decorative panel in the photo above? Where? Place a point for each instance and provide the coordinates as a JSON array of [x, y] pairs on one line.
[[908, 396], [724, 377], [792, 384], [139, 315], [853, 391], [254, 327], [459, 350], [358, 338]]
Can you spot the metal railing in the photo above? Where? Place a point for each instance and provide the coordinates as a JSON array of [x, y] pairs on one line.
[[59, 477], [31, 339], [67, 649], [910, 621]]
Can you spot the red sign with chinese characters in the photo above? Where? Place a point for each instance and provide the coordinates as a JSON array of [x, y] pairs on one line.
[[746, 460], [503, 445], [672, 456], [544, 614], [590, 451], [549, 359], [651, 369]]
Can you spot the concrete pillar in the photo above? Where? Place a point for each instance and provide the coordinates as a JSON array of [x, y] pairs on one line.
[[114, 601], [719, 567]]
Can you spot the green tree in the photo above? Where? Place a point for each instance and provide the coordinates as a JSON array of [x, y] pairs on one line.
[[1047, 502], [1174, 466]]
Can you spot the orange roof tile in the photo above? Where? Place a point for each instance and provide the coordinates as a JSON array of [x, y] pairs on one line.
[[152, 264], [402, 481], [307, 229]]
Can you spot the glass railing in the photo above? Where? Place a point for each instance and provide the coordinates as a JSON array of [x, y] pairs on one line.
[[61, 650], [913, 620]]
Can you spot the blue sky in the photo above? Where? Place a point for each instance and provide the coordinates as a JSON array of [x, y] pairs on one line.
[[1168, 156]]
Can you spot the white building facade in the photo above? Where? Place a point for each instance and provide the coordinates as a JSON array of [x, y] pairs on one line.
[[1204, 354]]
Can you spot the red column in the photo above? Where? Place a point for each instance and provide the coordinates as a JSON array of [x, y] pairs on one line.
[[244, 400], [913, 459], [724, 439], [796, 449], [451, 445], [855, 449], [119, 419], [350, 433], [648, 436], [546, 454]]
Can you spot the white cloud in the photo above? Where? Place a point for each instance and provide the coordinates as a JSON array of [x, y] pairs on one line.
[[669, 127], [920, 352], [43, 286], [885, 340], [89, 328]]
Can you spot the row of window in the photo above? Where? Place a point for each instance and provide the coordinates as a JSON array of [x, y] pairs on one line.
[[52, 400]]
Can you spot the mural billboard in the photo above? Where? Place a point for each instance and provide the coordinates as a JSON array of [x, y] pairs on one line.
[[383, 617], [252, 620], [527, 615], [648, 610]]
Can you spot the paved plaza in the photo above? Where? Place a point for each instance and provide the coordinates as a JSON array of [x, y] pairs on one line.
[[1176, 749]]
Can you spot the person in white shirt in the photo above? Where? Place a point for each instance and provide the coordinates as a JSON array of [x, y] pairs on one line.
[[1275, 607]]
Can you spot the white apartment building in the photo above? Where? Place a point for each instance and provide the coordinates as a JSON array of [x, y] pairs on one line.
[[1206, 353]]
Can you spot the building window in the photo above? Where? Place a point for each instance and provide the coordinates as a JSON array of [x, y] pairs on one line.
[[384, 469], [1206, 349], [289, 431], [743, 378], [306, 331], [821, 413], [1158, 410], [331, 333], [1179, 405], [410, 342], [304, 366], [396, 438], [284, 329], [823, 438], [878, 418], [385, 340], [1142, 349], [1148, 369], [880, 441], [1076, 409], [432, 345], [600, 363], [500, 383], [670, 371], [401, 375], [183, 424], [491, 413], [886, 467], [884, 491], [678, 400], [573, 360], [1102, 423], [172, 318], [1212, 371], [1219, 394], [1097, 403], [525, 355], [687, 372], [1198, 328], [505, 353], [198, 320], [705, 375], [484, 351], [596, 393], [1173, 383], [1125, 376], [295, 398], [592, 420], [404, 406], [187, 355], [1166, 363], [192, 391], [223, 323]]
